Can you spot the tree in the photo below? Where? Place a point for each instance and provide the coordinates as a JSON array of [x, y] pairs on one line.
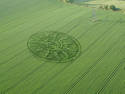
[[113, 7], [106, 7]]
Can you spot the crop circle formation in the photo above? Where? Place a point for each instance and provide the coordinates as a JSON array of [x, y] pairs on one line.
[[54, 46]]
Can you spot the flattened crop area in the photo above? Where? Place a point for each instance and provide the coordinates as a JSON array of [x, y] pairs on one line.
[[49, 47]]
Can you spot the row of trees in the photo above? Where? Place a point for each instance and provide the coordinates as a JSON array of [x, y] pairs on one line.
[[106, 7], [112, 7]]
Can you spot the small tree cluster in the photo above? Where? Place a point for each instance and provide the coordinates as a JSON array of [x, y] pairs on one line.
[[106, 7], [69, 1]]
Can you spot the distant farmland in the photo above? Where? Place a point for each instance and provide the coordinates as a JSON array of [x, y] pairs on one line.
[[85, 54]]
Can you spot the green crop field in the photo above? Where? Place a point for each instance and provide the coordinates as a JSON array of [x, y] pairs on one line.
[[54, 47]]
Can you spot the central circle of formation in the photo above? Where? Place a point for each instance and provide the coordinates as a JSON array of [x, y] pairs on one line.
[[54, 46]]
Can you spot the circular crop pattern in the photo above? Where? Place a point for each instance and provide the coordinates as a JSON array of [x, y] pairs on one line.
[[54, 46]]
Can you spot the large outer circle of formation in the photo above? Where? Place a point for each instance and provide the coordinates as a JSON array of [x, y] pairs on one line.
[[54, 46]]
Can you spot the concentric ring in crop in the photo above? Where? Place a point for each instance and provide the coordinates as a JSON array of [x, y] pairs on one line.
[[54, 46]]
